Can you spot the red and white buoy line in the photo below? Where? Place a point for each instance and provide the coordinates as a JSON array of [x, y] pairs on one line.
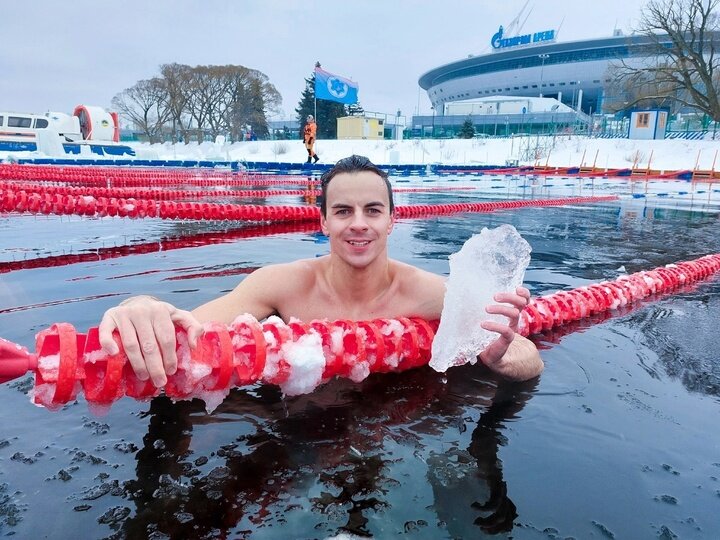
[[175, 194], [254, 230], [87, 205], [144, 178], [299, 355], [103, 176]]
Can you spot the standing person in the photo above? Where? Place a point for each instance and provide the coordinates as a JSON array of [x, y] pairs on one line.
[[356, 280], [309, 132]]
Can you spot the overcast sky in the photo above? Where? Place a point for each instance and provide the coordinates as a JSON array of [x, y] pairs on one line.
[[57, 55]]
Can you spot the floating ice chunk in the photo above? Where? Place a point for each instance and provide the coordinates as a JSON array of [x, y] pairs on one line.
[[307, 362], [490, 262]]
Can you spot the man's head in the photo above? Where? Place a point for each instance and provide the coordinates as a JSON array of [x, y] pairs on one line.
[[353, 164], [310, 118], [357, 212]]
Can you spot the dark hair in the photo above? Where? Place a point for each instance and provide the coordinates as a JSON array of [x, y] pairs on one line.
[[352, 164]]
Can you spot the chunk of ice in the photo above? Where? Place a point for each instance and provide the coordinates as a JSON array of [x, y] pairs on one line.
[[490, 262]]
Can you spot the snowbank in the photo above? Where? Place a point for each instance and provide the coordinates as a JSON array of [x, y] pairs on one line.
[[561, 151]]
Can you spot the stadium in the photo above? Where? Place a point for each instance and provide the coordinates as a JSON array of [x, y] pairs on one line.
[[527, 67]]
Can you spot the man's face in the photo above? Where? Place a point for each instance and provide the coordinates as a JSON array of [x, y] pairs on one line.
[[358, 218]]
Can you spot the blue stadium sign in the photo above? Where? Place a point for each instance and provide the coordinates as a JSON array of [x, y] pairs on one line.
[[500, 42]]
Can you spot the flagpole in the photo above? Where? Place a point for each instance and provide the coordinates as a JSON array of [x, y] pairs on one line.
[[317, 65]]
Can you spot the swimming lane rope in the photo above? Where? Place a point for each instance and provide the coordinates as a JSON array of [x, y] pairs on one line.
[[299, 355], [174, 194], [85, 205]]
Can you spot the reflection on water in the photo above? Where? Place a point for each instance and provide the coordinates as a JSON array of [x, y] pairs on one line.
[[616, 439], [344, 453]]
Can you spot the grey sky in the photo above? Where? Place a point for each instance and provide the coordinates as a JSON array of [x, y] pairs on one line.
[[57, 55]]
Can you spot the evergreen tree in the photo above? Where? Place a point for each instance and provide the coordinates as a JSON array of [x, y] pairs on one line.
[[327, 111], [467, 130], [355, 109]]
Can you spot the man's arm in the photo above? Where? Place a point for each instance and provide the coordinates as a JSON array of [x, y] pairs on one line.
[[257, 295], [511, 355], [146, 325]]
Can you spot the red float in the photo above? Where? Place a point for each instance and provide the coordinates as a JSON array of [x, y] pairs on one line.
[[248, 351]]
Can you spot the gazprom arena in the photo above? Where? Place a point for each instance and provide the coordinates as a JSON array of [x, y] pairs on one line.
[[534, 65]]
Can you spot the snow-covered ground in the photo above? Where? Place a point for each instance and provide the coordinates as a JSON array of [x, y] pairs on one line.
[[560, 151]]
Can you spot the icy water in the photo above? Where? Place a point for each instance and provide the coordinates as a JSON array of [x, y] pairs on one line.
[[617, 439]]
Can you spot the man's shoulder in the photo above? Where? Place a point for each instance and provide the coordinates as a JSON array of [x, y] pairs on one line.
[[419, 293], [407, 274], [299, 269]]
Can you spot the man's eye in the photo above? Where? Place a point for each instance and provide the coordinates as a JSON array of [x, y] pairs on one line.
[[374, 211]]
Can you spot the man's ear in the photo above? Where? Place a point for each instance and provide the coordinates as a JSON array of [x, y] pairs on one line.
[[323, 225], [392, 222]]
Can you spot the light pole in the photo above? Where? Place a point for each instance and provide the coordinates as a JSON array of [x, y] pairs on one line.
[[433, 122], [542, 57]]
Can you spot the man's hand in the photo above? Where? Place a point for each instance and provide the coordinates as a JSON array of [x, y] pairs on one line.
[[511, 355], [147, 331]]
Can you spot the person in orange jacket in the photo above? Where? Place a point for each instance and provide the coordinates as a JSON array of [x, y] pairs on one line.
[[309, 138]]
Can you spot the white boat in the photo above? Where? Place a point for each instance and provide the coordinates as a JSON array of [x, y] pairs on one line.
[[89, 130]]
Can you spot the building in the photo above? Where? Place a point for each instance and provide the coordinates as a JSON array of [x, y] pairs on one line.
[[360, 127], [574, 73], [648, 124]]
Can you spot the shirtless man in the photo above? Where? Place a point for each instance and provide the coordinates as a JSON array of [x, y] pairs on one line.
[[356, 281]]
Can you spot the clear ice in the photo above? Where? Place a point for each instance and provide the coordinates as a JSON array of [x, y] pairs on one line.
[[488, 263]]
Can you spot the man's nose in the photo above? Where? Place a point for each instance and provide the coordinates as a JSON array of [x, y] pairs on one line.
[[359, 222]]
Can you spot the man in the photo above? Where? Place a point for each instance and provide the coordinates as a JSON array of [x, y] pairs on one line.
[[356, 280], [309, 138]]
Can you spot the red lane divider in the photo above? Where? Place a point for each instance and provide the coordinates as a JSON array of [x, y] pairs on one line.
[[86, 205], [154, 193], [439, 209], [36, 203], [166, 244], [175, 194], [297, 356], [552, 310], [104, 176]]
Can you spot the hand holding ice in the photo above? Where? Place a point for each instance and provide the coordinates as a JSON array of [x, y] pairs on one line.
[[490, 262]]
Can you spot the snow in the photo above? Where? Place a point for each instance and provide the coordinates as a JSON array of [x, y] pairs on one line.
[[559, 151]]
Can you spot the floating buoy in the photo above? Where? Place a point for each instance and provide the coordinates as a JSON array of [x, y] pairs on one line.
[[297, 356], [56, 203]]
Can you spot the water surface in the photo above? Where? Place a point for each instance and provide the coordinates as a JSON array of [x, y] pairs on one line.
[[617, 439]]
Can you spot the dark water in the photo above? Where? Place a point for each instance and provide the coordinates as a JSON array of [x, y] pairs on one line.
[[617, 439]]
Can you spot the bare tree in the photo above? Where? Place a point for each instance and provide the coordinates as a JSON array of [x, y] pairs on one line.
[[204, 100], [177, 77], [145, 104], [249, 98], [678, 63]]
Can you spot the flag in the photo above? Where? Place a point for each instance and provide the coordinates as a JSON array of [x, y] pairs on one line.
[[334, 88]]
